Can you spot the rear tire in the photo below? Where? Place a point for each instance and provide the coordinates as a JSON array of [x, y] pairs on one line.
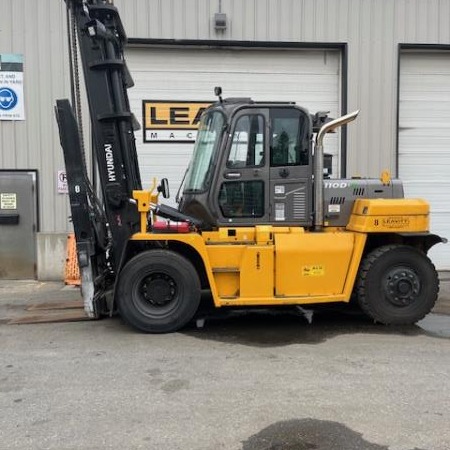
[[158, 291], [397, 284]]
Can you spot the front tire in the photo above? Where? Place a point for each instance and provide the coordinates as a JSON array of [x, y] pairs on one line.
[[397, 284], [158, 291]]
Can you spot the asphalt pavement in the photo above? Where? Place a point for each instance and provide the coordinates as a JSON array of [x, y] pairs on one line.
[[259, 380]]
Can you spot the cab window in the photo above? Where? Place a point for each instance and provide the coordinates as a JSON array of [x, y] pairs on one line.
[[247, 146], [206, 146], [288, 146], [242, 198]]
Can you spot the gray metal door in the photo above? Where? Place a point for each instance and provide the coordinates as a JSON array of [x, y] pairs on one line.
[[18, 227]]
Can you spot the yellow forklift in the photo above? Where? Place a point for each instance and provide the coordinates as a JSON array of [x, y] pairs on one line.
[[257, 222]]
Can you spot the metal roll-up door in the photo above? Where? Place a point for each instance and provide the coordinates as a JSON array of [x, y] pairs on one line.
[[311, 78], [424, 138]]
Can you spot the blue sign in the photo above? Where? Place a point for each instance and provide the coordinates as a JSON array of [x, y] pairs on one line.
[[8, 99]]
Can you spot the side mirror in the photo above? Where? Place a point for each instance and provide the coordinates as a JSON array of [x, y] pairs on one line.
[[163, 188]]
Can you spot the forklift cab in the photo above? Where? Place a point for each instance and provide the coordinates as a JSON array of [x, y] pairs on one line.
[[251, 165]]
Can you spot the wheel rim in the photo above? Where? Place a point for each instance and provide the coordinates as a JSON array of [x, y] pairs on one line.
[[402, 286], [157, 294]]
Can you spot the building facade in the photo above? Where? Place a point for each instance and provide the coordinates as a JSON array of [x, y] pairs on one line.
[[389, 59]]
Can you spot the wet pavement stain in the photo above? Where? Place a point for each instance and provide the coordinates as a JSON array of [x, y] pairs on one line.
[[172, 386], [273, 327], [309, 434]]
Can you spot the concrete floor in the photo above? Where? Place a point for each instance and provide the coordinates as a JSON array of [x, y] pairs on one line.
[[254, 381]]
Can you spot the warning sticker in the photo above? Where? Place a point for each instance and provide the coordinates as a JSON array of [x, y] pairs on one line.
[[8, 201], [280, 211], [334, 208], [313, 271]]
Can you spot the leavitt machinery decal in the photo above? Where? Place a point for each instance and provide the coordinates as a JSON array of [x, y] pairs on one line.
[[171, 121]]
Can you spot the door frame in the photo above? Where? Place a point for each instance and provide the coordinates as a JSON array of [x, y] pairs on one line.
[[35, 189]]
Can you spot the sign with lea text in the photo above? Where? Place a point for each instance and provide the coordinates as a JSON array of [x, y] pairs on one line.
[[167, 121]]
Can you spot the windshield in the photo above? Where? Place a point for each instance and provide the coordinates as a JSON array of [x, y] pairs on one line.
[[208, 139]]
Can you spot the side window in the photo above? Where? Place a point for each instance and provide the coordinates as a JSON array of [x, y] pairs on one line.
[[242, 198], [288, 146], [247, 146]]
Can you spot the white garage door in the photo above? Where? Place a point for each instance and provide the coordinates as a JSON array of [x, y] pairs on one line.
[[310, 78], [424, 139]]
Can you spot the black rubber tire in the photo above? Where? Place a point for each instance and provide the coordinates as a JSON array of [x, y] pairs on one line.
[[397, 284], [158, 291]]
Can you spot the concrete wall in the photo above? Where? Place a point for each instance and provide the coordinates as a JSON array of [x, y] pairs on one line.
[[51, 251]]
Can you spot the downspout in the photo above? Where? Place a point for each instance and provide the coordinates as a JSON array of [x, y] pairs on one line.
[[318, 164]]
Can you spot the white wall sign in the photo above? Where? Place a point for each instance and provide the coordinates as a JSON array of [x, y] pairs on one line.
[[8, 200], [62, 182], [11, 87]]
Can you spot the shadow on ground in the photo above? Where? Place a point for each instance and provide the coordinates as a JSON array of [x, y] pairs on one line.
[[260, 327], [274, 327], [309, 434]]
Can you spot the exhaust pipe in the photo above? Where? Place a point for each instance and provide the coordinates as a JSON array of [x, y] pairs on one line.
[[318, 164]]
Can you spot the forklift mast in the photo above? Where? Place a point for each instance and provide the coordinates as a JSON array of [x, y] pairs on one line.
[[102, 226]]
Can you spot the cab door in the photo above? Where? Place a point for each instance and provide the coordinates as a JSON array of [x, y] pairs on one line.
[[290, 166], [242, 191]]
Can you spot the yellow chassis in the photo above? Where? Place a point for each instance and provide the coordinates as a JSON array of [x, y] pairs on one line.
[[284, 265]]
